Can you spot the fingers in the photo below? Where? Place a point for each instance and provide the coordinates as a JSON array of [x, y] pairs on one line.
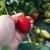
[[14, 44], [31, 27], [15, 17], [5, 15], [18, 36], [20, 15], [31, 20]]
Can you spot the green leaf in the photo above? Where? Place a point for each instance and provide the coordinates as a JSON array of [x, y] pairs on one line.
[[37, 2], [21, 6], [5, 47], [11, 1], [43, 47], [31, 46], [9, 10], [28, 6], [26, 46]]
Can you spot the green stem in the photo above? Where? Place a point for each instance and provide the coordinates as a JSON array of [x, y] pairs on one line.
[[5, 6], [34, 27], [29, 38]]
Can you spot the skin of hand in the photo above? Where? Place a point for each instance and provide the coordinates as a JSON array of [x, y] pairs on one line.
[[8, 34]]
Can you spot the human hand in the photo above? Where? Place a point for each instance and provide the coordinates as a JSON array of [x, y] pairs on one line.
[[7, 27]]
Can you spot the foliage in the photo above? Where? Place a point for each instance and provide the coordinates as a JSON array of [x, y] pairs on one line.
[[30, 46], [5, 47]]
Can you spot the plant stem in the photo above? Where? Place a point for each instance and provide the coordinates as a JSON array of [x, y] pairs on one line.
[[29, 38], [34, 27], [5, 6]]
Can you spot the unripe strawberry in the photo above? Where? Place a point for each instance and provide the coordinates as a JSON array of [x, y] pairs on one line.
[[35, 16]]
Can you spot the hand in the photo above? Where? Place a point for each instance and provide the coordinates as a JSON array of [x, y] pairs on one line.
[[15, 36]]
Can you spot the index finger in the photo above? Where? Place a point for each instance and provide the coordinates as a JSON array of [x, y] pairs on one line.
[[30, 18]]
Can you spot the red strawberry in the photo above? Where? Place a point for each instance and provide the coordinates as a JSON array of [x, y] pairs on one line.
[[24, 24], [35, 16]]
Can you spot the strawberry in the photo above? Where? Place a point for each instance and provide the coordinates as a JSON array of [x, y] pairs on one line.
[[35, 16], [24, 24]]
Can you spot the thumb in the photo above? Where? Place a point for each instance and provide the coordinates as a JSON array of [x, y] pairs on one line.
[[15, 17]]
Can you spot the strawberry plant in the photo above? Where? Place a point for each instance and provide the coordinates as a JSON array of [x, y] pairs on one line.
[[38, 10]]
